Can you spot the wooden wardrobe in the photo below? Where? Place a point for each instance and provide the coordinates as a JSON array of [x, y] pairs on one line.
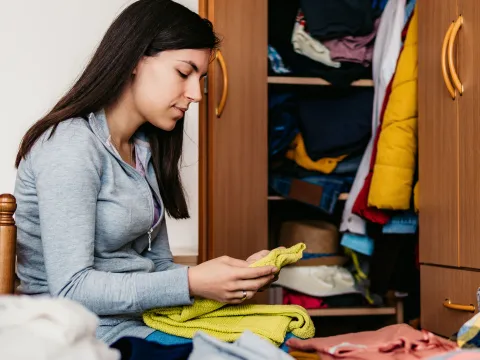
[[233, 149], [449, 149], [233, 133]]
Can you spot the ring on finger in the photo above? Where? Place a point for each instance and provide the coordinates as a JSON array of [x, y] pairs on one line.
[[244, 293]]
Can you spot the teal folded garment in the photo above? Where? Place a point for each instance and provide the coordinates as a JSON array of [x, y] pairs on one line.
[[359, 243], [162, 338]]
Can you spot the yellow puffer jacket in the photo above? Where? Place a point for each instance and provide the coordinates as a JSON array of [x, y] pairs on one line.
[[393, 173]]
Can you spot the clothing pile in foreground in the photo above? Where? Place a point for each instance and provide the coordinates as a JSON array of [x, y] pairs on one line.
[[48, 328], [43, 328]]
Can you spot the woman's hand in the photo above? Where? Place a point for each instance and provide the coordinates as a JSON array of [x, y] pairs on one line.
[[228, 280], [257, 256], [260, 255]]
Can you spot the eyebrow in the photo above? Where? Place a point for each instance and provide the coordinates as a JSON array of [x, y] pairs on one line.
[[193, 65]]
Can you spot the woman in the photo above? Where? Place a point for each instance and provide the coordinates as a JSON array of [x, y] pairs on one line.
[[97, 174]]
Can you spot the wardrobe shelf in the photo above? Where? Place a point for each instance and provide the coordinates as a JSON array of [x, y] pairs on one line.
[[288, 80], [355, 311], [342, 196]]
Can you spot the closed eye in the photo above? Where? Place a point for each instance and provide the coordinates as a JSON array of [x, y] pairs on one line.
[[182, 75]]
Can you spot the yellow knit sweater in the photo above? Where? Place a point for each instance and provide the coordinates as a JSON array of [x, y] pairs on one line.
[[228, 322]]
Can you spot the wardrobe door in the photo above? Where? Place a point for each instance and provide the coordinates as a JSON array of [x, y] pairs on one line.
[[237, 130], [438, 138], [467, 67]]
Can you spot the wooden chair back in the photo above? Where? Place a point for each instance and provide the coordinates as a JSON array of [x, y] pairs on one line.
[[8, 239]]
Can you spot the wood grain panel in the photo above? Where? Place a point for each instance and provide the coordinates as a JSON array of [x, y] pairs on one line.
[[438, 139], [189, 260], [202, 163], [237, 141], [468, 70], [439, 284]]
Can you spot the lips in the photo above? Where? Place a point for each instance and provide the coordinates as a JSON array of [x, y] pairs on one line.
[[183, 110], [179, 112]]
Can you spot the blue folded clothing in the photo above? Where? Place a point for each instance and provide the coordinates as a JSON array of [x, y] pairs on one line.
[[321, 191], [165, 339], [132, 348]]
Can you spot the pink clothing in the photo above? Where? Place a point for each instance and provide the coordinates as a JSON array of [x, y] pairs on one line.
[[305, 301], [400, 342], [358, 49]]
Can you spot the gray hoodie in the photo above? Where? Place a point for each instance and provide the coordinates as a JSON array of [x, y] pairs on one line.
[[84, 221]]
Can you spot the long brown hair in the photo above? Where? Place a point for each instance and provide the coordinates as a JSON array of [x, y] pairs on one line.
[[145, 28]]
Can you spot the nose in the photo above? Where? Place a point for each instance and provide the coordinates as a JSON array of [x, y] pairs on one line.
[[194, 91]]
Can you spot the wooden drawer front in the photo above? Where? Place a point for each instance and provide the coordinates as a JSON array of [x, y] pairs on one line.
[[439, 284]]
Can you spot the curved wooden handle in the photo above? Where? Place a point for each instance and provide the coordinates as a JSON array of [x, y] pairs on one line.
[[449, 305], [453, 36], [446, 78], [223, 100]]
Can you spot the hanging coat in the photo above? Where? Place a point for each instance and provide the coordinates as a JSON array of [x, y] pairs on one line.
[[394, 170]]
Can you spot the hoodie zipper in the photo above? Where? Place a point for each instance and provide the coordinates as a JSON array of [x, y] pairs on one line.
[[150, 239], [154, 195], [116, 154]]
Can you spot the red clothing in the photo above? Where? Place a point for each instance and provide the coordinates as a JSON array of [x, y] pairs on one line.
[[306, 301]]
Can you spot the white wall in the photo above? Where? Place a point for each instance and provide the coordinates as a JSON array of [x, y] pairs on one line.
[[44, 45]]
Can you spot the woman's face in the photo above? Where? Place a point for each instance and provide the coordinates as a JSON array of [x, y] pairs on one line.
[[165, 85]]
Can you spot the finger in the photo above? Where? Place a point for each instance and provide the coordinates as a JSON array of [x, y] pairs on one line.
[[257, 256], [236, 262], [247, 295], [263, 288], [235, 301], [256, 272], [261, 254], [254, 285], [239, 296]]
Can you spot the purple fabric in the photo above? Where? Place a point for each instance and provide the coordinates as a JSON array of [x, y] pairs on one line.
[[140, 166], [357, 49]]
